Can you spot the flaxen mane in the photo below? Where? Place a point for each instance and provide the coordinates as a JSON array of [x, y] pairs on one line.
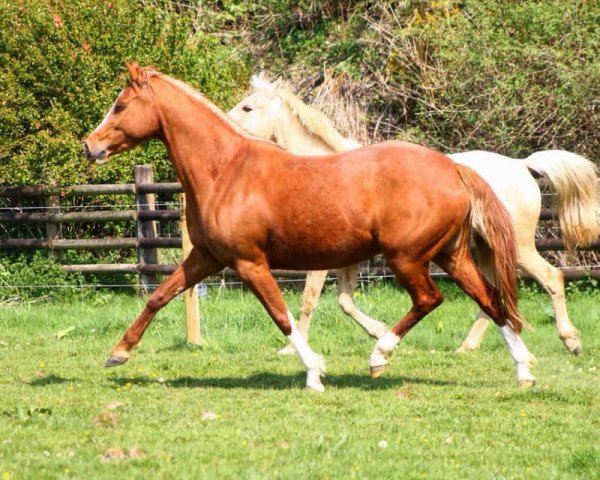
[[317, 123]]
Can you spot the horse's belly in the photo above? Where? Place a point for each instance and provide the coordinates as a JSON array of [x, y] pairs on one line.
[[320, 252]]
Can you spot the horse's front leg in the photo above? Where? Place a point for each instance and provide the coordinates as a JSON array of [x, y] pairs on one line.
[[197, 266], [257, 276]]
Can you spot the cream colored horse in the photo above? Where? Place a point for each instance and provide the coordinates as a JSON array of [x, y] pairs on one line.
[[272, 111]]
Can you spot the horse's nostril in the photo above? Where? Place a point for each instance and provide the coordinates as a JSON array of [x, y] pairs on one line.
[[86, 150]]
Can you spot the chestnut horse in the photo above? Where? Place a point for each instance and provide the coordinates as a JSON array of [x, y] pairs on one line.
[[272, 111], [253, 206]]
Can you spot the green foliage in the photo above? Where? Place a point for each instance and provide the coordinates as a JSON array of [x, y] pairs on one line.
[[29, 276], [510, 77], [34, 276], [61, 66], [586, 286]]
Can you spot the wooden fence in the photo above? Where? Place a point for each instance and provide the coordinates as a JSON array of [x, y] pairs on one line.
[[146, 242]]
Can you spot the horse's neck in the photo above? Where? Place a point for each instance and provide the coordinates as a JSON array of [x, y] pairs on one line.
[[292, 135], [201, 144]]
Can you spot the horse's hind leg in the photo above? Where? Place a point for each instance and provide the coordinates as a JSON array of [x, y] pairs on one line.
[[552, 280], [195, 267], [459, 265], [347, 278], [425, 296], [310, 300]]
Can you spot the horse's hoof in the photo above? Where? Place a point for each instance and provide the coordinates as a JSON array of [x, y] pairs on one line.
[[315, 387], [573, 345], [287, 350], [465, 348], [377, 371], [313, 377], [526, 382], [116, 359]]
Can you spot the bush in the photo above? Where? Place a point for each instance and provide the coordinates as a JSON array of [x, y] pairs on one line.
[[61, 67], [28, 276], [508, 77], [511, 77]]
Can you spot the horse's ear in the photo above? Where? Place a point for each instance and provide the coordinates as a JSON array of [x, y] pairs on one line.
[[277, 83], [135, 72], [260, 81]]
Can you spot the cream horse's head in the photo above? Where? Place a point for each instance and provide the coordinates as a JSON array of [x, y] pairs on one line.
[[262, 109], [271, 111]]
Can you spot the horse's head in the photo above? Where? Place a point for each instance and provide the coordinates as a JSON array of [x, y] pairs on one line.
[[131, 120], [271, 111], [261, 110]]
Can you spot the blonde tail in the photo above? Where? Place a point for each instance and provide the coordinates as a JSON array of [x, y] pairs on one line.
[[576, 183]]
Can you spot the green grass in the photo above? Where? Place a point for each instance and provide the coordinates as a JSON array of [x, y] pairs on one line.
[[440, 414]]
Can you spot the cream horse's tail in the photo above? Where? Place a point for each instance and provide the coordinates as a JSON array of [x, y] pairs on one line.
[[576, 182]]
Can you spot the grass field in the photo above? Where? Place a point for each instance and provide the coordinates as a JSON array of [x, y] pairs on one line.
[[234, 409]]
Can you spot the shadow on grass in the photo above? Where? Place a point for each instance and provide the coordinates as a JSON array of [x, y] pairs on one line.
[[271, 381], [49, 380]]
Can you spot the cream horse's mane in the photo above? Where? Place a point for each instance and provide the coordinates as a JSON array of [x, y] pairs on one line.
[[312, 119]]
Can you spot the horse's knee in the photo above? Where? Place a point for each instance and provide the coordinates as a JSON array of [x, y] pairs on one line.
[[308, 308], [158, 300], [436, 299], [154, 304]]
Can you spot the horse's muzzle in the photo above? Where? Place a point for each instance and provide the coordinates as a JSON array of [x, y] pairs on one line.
[[98, 157]]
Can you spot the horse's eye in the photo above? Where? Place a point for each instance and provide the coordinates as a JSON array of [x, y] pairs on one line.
[[247, 108], [119, 107]]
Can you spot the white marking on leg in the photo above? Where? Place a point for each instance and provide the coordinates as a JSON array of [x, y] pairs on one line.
[[383, 349], [519, 353], [314, 363]]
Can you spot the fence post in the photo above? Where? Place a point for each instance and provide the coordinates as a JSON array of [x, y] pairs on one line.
[[192, 309], [142, 174], [52, 204]]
